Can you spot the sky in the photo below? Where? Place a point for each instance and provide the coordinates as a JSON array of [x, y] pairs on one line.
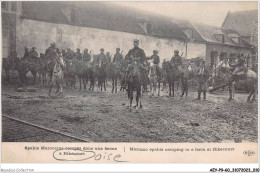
[[211, 13]]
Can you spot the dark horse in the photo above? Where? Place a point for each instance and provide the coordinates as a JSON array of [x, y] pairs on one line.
[[115, 74], [172, 75], [101, 73], [134, 82]]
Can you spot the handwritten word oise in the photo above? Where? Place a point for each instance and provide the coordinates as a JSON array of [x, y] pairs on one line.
[[80, 155]]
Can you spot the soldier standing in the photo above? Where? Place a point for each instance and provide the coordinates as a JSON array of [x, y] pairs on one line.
[[118, 57], [203, 75], [86, 56], [78, 54]]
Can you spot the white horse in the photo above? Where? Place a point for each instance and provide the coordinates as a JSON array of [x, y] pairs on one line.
[[154, 79], [57, 76]]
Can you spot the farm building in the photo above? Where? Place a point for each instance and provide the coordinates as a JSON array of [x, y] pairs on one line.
[[94, 25], [244, 23]]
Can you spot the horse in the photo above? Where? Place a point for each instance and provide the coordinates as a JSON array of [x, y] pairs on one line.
[[81, 70], [134, 84], [101, 72], [57, 75], [172, 75], [123, 67], [115, 74], [248, 78], [23, 67], [69, 76], [154, 75]]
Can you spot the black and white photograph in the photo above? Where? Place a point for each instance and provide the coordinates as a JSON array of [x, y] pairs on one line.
[[129, 72]]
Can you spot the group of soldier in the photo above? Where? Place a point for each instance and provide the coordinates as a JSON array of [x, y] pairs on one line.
[[136, 54]]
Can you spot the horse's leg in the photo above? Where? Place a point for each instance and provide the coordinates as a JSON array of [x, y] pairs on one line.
[[79, 77], [51, 84], [130, 97], [84, 83], [159, 87], [254, 94], [170, 89], [173, 89], [61, 87], [230, 88], [113, 83], [105, 83], [34, 77], [187, 88], [116, 84], [138, 95]]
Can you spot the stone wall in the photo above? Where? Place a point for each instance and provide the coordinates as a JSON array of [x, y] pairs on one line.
[[40, 34]]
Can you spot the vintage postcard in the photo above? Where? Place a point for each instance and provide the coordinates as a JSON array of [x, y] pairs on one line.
[[129, 82]]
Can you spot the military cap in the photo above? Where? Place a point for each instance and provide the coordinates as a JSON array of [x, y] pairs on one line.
[[136, 40], [25, 47], [78, 49], [118, 48], [33, 47], [102, 49], [176, 51], [155, 51]]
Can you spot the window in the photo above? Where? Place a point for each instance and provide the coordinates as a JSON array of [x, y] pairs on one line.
[[14, 6], [4, 6]]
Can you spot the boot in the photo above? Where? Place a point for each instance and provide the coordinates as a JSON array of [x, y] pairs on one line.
[[198, 96], [204, 95]]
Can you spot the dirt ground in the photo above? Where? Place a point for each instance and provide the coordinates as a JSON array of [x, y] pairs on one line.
[[103, 117]]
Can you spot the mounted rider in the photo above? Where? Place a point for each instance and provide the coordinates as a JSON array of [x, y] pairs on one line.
[[118, 57], [102, 59], [33, 54], [86, 56], [26, 54], [239, 66], [136, 53], [69, 54], [50, 52], [176, 60], [155, 58], [78, 55], [108, 57], [51, 49]]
